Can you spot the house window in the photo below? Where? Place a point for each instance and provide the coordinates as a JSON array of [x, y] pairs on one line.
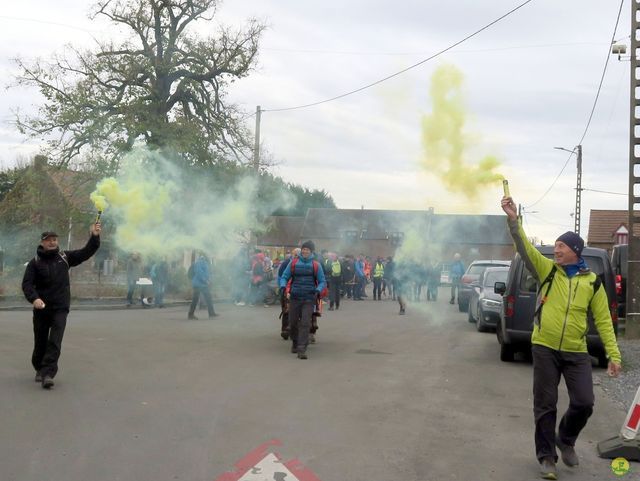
[[351, 236], [621, 235], [395, 238]]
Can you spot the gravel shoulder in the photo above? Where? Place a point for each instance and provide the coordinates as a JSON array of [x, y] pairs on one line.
[[623, 389]]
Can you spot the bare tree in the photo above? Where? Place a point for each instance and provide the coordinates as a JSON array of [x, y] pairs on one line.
[[162, 86]]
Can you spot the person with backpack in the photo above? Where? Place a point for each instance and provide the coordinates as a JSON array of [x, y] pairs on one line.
[[568, 291], [47, 287], [335, 281], [305, 280]]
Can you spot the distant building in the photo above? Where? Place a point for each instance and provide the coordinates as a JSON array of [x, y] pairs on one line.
[[381, 232], [608, 228]]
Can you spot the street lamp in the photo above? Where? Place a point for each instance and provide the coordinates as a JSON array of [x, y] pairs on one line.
[[578, 151]]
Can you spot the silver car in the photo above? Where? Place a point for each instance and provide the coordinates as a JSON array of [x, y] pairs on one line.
[[484, 303]]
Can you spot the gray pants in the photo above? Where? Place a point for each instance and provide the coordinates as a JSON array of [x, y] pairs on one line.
[[300, 312], [548, 366]]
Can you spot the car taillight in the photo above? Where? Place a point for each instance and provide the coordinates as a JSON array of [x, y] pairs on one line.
[[614, 312], [618, 284], [465, 279], [511, 301]]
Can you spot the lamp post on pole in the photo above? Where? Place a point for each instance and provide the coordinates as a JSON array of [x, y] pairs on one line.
[[578, 151]]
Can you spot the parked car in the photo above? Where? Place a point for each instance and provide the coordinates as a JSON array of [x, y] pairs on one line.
[[519, 304], [473, 273], [619, 259], [485, 304]]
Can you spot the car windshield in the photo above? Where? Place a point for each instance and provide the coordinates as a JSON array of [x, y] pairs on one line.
[[495, 276], [477, 269]]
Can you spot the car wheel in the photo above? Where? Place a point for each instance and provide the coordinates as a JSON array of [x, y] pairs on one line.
[[480, 325], [507, 353], [506, 350], [463, 306]]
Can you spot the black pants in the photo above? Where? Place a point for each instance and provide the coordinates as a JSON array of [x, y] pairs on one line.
[[48, 330], [334, 292], [548, 365], [348, 289], [300, 312], [377, 288], [358, 290], [196, 297]]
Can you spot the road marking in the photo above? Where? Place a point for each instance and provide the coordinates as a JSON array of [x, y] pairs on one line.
[[262, 464]]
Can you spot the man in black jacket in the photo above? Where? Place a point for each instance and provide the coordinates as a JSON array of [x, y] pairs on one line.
[[46, 286]]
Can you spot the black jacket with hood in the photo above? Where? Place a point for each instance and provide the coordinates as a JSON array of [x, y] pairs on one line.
[[47, 274]]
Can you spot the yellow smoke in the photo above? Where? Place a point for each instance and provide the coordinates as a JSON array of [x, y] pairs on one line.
[[100, 201], [160, 211], [445, 142]]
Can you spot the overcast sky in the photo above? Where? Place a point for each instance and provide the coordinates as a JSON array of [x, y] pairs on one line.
[[530, 83]]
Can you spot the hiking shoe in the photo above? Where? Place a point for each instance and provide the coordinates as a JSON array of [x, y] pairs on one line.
[[213, 315], [567, 453], [302, 355], [47, 382], [312, 338], [401, 312], [192, 317], [548, 468], [331, 308], [38, 377]]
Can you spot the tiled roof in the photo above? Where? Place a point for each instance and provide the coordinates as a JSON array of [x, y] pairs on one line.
[[282, 231], [604, 223], [378, 224], [74, 186]]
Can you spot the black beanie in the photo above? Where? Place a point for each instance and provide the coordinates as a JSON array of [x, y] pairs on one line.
[[309, 245], [573, 242]]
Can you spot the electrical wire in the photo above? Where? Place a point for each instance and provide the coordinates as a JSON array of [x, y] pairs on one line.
[[404, 54], [377, 82], [605, 192], [593, 108]]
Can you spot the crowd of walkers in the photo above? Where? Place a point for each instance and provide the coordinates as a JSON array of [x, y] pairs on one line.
[[347, 276]]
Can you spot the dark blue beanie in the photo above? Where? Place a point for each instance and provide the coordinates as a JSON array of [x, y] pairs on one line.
[[573, 242]]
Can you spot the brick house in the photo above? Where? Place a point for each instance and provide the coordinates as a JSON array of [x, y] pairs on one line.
[[608, 228], [380, 232]]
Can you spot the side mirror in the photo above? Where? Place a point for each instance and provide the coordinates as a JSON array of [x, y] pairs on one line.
[[500, 288]]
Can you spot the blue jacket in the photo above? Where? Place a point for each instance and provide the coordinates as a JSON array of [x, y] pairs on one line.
[[201, 273], [303, 284], [360, 268], [457, 269]]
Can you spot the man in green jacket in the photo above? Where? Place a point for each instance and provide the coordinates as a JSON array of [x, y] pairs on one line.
[[559, 347]]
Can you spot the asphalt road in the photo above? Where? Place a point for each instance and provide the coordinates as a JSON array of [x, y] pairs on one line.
[[145, 395]]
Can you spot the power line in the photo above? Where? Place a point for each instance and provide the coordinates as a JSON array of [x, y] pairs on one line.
[[406, 69], [605, 192], [604, 72], [593, 108], [48, 22], [400, 54]]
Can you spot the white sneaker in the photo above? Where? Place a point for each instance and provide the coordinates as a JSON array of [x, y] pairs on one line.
[[241, 303]]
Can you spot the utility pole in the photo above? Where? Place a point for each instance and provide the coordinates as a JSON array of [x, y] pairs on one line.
[[576, 218], [632, 326], [576, 226], [256, 147]]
